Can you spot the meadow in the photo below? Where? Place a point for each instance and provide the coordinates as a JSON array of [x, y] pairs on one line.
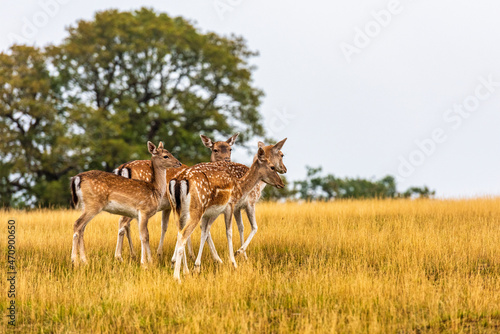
[[374, 266]]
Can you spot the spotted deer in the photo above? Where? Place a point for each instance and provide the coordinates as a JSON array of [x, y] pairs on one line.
[[206, 190], [141, 170], [247, 203], [98, 191]]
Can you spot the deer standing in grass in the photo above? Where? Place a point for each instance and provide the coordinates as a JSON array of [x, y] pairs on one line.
[[141, 170], [247, 203], [204, 191], [98, 191], [274, 154]]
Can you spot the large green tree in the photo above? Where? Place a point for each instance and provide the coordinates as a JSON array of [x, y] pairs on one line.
[[35, 157], [144, 76], [115, 82]]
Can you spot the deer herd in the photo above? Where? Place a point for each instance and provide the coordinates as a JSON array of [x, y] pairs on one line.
[[196, 195]]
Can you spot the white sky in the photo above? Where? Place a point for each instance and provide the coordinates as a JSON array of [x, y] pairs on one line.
[[353, 118]]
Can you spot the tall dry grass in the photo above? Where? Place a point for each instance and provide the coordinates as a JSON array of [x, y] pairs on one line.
[[374, 266]]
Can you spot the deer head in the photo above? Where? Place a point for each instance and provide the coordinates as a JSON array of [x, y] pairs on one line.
[[161, 157], [274, 154], [267, 170], [221, 150]]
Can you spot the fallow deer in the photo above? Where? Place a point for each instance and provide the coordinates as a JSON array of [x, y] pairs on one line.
[[98, 191], [206, 190], [274, 154], [141, 170]]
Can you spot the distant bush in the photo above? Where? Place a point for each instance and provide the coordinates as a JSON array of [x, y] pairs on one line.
[[324, 188]]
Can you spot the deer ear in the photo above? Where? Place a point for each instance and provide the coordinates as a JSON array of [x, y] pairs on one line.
[[160, 145], [207, 141], [279, 144], [261, 155], [152, 148], [232, 140], [261, 144]]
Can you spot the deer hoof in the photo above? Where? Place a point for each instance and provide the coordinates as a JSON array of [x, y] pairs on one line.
[[241, 251]]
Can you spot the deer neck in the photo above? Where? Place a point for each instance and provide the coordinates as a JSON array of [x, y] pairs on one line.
[[250, 180], [159, 178]]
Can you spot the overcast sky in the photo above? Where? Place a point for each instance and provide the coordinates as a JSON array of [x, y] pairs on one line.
[[365, 88]]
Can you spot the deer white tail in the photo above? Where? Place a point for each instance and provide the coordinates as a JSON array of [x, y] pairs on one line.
[[185, 198], [179, 194], [124, 171], [76, 192], [180, 199]]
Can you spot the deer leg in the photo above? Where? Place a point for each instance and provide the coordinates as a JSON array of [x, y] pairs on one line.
[[250, 209], [174, 256], [205, 227], [185, 269], [78, 229], [129, 238], [83, 256], [178, 256], [228, 217], [241, 227], [211, 245], [190, 248], [182, 237], [123, 229], [144, 233], [165, 214]]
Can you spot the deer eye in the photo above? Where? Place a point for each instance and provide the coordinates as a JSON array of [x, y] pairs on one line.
[[272, 168], [165, 157], [216, 151], [282, 155]]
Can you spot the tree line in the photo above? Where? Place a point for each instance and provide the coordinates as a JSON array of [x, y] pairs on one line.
[[317, 187]]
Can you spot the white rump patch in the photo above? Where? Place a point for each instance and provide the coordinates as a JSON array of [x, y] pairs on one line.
[[172, 192], [79, 193], [183, 188], [125, 173], [185, 201]]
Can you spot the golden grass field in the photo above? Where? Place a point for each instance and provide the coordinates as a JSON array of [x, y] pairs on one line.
[[377, 266]]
